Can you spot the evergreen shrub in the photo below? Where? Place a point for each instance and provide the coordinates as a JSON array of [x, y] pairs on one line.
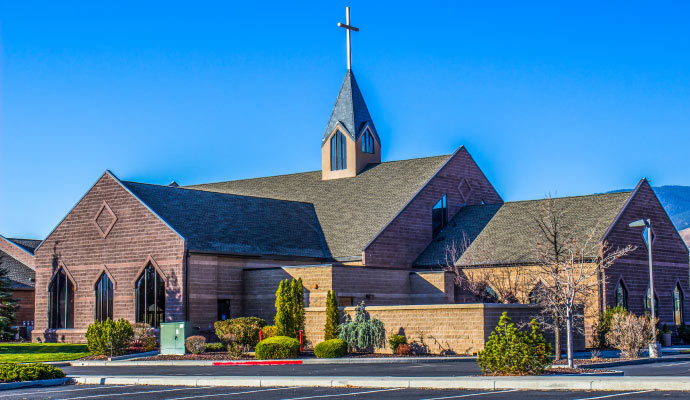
[[289, 307], [268, 331], [332, 348], [510, 351], [13, 372], [101, 334], [602, 327], [396, 340], [215, 347], [277, 347], [195, 344], [244, 331], [330, 330], [362, 334]]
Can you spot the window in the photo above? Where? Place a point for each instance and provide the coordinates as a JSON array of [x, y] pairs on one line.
[[439, 215], [368, 142], [223, 309], [678, 306], [150, 297], [621, 296], [61, 305], [104, 298], [345, 301], [647, 303], [338, 151]]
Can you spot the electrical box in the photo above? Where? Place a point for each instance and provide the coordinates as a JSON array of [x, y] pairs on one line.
[[173, 336]]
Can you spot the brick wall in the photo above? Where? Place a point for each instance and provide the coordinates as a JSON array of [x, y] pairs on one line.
[[137, 236], [436, 329], [401, 242], [670, 256], [26, 305]]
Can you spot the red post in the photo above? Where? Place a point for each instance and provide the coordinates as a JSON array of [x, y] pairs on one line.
[[261, 335], [300, 341]]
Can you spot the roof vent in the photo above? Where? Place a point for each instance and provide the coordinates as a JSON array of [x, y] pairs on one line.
[[173, 184]]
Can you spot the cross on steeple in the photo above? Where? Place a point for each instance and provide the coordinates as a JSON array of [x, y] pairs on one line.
[[349, 28]]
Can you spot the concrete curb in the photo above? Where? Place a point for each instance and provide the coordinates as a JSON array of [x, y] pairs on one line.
[[30, 384], [617, 383], [135, 355], [197, 363]]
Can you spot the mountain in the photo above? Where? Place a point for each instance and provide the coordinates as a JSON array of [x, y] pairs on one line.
[[685, 233], [676, 201]]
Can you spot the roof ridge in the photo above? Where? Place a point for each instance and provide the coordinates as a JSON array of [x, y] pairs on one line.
[[572, 197]]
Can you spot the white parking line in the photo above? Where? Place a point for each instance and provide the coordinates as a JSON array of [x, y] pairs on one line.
[[342, 394], [661, 365], [231, 394], [473, 394], [614, 395], [61, 391], [143, 392]]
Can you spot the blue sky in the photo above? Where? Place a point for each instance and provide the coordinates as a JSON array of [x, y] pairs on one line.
[[548, 97]]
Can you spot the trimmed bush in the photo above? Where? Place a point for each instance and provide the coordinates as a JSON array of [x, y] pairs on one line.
[[396, 340], [244, 331], [277, 347], [268, 331], [13, 372], [333, 348], [195, 344], [215, 347], [362, 334], [512, 352], [101, 334]]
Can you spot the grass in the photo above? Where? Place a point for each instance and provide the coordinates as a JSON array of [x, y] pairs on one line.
[[41, 352]]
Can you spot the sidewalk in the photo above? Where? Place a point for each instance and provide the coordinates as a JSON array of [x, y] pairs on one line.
[[305, 361], [617, 383]]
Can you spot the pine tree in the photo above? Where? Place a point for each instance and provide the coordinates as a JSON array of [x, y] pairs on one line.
[[283, 316], [332, 316], [298, 304], [8, 305]]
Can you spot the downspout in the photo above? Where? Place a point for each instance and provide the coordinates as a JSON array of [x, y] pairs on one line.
[[186, 282]]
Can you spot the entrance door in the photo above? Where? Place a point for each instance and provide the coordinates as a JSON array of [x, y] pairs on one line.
[[223, 309]]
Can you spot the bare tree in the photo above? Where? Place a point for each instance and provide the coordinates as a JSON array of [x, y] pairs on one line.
[[570, 266]]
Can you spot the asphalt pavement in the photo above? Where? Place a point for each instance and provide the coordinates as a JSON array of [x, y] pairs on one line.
[[287, 393]]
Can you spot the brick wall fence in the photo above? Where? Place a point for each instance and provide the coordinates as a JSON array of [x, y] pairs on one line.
[[437, 328]]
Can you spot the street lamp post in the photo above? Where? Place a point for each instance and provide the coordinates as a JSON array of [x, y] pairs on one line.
[[648, 236]]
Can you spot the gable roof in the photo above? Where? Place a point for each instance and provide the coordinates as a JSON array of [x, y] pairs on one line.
[[28, 245], [351, 211], [507, 234], [350, 111], [21, 276], [219, 222]]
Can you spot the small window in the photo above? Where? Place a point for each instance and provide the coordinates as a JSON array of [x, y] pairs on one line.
[[61, 302], [439, 215], [621, 296], [647, 303], [104, 298], [344, 301], [338, 151], [678, 306], [368, 141]]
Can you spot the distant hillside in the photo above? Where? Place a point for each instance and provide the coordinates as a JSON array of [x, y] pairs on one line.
[[685, 233]]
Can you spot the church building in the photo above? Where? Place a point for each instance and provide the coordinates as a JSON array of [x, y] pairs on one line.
[[369, 229]]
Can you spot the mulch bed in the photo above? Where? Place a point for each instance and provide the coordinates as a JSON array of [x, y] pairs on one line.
[[224, 356], [579, 371], [589, 361], [131, 350]]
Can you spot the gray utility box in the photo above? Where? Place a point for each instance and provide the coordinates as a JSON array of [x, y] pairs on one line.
[[173, 336]]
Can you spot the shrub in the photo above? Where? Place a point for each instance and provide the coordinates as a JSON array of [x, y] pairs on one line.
[[630, 333], [268, 331], [244, 331], [236, 350], [289, 307], [684, 333], [330, 330], [277, 347], [195, 344], [332, 348], [13, 372], [215, 346], [396, 340], [362, 334], [101, 334], [149, 343], [144, 336], [510, 351], [603, 326], [404, 349]]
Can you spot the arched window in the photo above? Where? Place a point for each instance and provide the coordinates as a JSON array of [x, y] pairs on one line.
[[150, 297], [338, 151], [678, 306], [368, 142], [648, 304], [621, 296], [61, 305], [104, 298]]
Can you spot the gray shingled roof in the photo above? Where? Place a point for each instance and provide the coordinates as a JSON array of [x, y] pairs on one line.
[[26, 244], [20, 275], [351, 211], [218, 222], [350, 111], [507, 233]]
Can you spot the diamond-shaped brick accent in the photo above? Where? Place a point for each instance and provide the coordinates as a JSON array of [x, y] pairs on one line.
[[465, 189], [104, 219]]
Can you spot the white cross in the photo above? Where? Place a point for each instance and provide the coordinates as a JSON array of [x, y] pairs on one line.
[[349, 28]]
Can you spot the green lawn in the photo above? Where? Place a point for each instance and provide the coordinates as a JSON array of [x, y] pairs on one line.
[[39, 352]]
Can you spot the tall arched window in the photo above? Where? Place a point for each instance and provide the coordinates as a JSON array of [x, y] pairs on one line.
[[368, 142], [338, 151], [439, 215], [648, 303], [678, 306], [61, 307], [150, 297], [621, 296], [104, 298]]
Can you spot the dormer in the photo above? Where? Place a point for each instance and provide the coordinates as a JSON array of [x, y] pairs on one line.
[[350, 142]]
